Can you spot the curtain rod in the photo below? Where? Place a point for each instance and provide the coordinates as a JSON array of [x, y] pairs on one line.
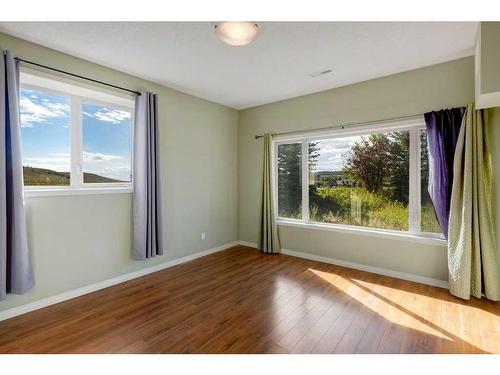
[[77, 76], [343, 126]]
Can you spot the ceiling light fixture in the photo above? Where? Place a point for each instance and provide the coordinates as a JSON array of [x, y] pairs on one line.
[[237, 34]]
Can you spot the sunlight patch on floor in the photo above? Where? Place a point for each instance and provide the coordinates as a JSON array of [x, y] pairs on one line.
[[398, 306]]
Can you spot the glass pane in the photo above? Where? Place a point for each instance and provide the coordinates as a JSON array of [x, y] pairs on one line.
[[107, 144], [428, 220], [290, 180], [45, 121], [360, 180]]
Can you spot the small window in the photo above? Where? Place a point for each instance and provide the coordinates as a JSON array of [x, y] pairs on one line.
[[73, 136], [45, 137]]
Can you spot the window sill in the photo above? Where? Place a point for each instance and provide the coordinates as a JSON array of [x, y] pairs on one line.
[[46, 192], [408, 237]]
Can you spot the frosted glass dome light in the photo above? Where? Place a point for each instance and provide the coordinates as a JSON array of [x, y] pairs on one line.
[[237, 34]]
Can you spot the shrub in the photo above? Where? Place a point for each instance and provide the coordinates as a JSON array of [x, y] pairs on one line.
[[429, 220], [393, 215]]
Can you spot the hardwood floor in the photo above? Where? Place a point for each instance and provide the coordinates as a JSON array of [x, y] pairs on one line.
[[240, 301]]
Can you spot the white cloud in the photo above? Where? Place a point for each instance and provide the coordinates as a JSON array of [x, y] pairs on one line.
[[55, 162], [332, 153], [97, 156], [336, 145], [34, 112], [118, 172], [112, 116], [119, 168], [47, 160]]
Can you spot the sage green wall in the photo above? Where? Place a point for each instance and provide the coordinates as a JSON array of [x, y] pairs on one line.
[[440, 86], [490, 57], [79, 240], [490, 83]]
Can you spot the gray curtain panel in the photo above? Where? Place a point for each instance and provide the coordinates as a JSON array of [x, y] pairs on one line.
[[268, 231], [148, 231], [473, 258], [15, 269]]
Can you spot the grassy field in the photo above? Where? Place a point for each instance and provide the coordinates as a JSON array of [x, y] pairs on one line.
[[428, 219], [48, 177], [357, 206]]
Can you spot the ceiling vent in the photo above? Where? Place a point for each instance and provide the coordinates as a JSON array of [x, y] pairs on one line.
[[322, 73]]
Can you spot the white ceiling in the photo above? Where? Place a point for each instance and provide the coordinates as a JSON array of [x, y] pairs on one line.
[[188, 57]]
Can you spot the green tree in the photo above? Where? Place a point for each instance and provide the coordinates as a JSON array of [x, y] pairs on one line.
[[399, 176], [289, 179], [313, 150], [290, 176], [381, 162], [424, 167], [369, 161]]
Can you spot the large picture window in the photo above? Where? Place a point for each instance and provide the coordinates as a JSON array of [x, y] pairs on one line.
[[372, 177], [74, 137]]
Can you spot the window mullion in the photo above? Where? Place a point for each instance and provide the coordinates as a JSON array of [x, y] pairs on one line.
[[76, 180], [305, 182], [414, 188]]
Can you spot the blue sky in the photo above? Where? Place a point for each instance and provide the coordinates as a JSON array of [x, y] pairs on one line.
[[45, 125]]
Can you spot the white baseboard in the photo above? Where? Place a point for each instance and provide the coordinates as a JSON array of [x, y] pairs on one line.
[[361, 267], [248, 244], [18, 310]]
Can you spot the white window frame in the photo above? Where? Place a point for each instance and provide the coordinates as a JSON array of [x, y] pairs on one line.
[[78, 94], [414, 126]]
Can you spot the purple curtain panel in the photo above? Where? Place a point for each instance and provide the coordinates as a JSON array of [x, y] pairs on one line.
[[443, 128]]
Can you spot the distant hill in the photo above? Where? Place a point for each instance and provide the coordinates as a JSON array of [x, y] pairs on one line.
[[41, 176], [330, 173]]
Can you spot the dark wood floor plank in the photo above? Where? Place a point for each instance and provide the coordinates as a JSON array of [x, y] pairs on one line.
[[333, 336], [241, 301], [357, 329]]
